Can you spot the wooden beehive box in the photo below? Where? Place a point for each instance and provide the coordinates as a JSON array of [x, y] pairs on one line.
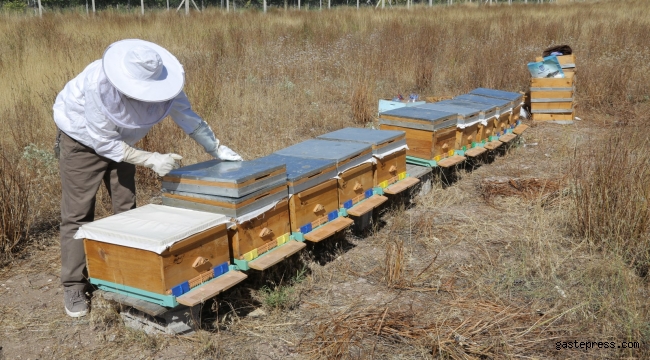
[[516, 98], [313, 201], [430, 134], [497, 125], [552, 98], [159, 254], [388, 148], [467, 124], [354, 166], [230, 188]]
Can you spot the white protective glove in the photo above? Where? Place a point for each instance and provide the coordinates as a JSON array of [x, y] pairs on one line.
[[160, 163], [205, 136]]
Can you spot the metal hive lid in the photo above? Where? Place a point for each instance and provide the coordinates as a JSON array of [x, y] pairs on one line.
[[368, 136], [471, 104], [499, 94], [501, 103], [461, 110], [421, 113], [226, 171], [339, 151], [298, 167]]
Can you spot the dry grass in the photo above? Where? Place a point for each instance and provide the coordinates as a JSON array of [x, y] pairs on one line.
[[455, 276]]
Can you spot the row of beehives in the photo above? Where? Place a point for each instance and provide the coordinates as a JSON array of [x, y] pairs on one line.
[[222, 216], [446, 132], [553, 98]]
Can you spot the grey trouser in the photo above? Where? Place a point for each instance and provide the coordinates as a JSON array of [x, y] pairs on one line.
[[82, 171]]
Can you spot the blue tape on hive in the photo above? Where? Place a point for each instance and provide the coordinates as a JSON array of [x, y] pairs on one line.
[[181, 289], [333, 215], [347, 204], [220, 269], [368, 193], [305, 229]]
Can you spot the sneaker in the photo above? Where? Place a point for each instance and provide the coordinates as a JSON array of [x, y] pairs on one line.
[[76, 303]]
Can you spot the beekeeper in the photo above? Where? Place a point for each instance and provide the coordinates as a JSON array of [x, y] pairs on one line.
[[101, 114]]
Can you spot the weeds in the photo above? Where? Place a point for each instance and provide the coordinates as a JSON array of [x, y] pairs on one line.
[[15, 220]]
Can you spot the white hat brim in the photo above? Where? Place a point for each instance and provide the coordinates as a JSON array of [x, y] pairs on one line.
[[166, 87]]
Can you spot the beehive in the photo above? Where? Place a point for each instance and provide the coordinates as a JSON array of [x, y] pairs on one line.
[[467, 125], [160, 254], [230, 188], [552, 98], [354, 165], [253, 193], [313, 201], [388, 148], [498, 125], [430, 134], [516, 98]]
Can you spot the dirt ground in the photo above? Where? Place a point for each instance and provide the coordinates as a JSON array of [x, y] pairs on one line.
[[441, 278]]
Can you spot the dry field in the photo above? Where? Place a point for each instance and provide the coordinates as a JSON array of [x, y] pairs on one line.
[[480, 269]]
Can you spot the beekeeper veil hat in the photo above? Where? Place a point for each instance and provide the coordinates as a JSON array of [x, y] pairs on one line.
[[143, 70]]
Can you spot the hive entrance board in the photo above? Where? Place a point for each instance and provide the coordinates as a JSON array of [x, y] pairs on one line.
[[429, 133], [233, 179], [154, 248]]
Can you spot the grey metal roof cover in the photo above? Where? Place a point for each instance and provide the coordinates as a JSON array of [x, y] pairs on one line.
[[501, 103], [299, 168], [226, 171], [339, 151], [499, 94], [369, 136], [461, 110], [470, 104], [422, 113]]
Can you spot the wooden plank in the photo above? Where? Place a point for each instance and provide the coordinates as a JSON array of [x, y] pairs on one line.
[[367, 205], [420, 142], [303, 204], [212, 288], [273, 257], [552, 83], [126, 266], [401, 185], [507, 138], [493, 145], [520, 129], [246, 236], [562, 59], [354, 182], [552, 105], [474, 152], [396, 161], [328, 229], [451, 161], [551, 94], [553, 117]]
